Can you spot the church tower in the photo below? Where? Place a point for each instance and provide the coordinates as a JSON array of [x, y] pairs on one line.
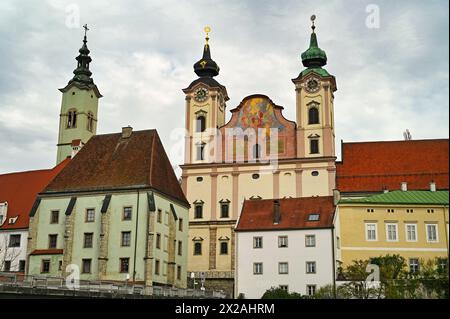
[[315, 89], [79, 107], [205, 107]]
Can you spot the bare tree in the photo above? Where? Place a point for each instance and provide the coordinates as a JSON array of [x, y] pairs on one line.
[[7, 253]]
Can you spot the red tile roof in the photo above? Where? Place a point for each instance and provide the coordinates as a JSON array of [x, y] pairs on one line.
[[47, 252], [372, 166], [109, 162], [259, 214], [20, 190]]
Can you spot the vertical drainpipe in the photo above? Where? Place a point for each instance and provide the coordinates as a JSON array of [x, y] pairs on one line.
[[136, 237], [446, 232], [333, 261]]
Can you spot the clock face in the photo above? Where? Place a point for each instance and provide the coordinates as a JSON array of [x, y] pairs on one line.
[[312, 85], [201, 94]]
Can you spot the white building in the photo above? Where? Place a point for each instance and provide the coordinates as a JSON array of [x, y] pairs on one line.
[[285, 243]]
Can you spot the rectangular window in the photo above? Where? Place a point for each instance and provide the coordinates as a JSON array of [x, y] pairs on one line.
[[45, 266], [411, 232], [60, 265], [197, 248], [180, 248], [159, 216], [22, 264], [90, 215], [257, 242], [180, 224], [178, 272], [282, 241], [7, 265], [224, 210], [54, 217], [165, 266], [166, 218], [86, 266], [127, 213], [157, 265], [371, 232], [88, 239], [314, 146], [414, 265], [158, 241], [14, 241], [391, 232], [126, 239], [310, 289], [198, 211], [432, 234], [257, 268], [224, 248], [310, 240], [283, 268], [52, 241], [310, 267], [124, 265]]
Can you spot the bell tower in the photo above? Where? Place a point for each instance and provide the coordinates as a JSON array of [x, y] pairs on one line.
[[79, 107], [205, 107], [315, 89]]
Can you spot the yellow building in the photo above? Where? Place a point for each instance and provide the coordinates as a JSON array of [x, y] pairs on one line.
[[413, 224]]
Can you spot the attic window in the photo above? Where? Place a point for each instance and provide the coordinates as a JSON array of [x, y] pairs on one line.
[[313, 217], [13, 220]]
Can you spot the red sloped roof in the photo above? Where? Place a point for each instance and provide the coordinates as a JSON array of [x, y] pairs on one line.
[[372, 166], [20, 190], [259, 214]]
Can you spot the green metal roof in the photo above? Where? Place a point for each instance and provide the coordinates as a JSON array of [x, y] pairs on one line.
[[403, 197], [319, 71]]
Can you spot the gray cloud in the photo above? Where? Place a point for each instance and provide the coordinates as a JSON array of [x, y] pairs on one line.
[[389, 79]]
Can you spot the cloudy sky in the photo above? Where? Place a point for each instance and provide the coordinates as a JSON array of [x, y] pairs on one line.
[[391, 76]]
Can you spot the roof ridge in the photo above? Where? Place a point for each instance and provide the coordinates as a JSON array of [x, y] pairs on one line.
[[393, 141]]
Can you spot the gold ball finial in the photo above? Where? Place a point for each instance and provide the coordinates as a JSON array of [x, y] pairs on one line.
[[207, 31]]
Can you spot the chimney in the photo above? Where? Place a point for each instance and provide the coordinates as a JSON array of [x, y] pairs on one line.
[[76, 147], [432, 186], [276, 212], [336, 196], [126, 131], [404, 186]]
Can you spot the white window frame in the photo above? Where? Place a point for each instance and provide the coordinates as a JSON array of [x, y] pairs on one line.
[[287, 268], [428, 234], [311, 286], [261, 268], [367, 231], [283, 240], [396, 232], [315, 267], [307, 243], [254, 242], [415, 232]]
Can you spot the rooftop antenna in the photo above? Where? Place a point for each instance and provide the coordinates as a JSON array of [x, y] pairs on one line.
[[407, 135]]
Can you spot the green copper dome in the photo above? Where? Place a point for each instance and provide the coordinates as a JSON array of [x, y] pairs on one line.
[[314, 57]]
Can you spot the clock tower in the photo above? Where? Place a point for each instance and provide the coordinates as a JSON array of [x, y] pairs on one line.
[[205, 108], [315, 89]]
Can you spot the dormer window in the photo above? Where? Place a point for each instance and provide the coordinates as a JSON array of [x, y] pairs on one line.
[[313, 217]]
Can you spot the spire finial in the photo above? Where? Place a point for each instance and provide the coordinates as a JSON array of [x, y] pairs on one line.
[[207, 31], [86, 29], [313, 17]]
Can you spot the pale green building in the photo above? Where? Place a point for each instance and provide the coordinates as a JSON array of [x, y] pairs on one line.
[[116, 211]]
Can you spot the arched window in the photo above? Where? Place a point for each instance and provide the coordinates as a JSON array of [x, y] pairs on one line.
[[90, 122], [72, 118], [313, 115], [201, 123], [256, 151]]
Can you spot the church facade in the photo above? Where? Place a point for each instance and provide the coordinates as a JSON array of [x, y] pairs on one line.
[[257, 154]]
